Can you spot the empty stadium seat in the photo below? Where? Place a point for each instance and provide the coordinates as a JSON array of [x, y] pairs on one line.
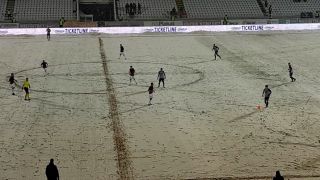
[[3, 4], [289, 8], [219, 8], [35, 10]]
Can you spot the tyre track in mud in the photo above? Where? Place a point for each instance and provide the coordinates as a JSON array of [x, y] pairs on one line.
[[119, 137]]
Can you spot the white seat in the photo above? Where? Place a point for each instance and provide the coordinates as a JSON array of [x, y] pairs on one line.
[[219, 8], [293, 9]]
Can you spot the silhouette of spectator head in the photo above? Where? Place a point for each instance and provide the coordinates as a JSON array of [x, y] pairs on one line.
[[52, 172], [278, 176]]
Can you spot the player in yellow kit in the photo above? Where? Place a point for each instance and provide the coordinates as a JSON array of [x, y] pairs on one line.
[[26, 86]]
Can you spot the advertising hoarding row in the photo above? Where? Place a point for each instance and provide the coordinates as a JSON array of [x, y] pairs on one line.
[[162, 29]]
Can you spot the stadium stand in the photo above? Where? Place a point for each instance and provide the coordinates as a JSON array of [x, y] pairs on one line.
[[3, 4], [219, 8], [289, 8], [150, 9], [32, 10], [100, 12], [52, 10]]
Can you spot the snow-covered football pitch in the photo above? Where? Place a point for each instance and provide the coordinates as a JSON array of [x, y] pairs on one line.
[[205, 124]]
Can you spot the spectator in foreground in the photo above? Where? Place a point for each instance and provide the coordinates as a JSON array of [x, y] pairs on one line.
[[278, 176], [52, 171]]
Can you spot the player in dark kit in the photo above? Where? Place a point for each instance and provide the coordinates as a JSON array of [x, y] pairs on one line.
[[44, 65], [48, 33], [216, 51], [266, 93], [122, 52], [291, 73], [131, 74], [151, 91], [12, 82], [161, 77]]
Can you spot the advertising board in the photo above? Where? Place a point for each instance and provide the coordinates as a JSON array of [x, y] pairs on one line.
[[162, 29]]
